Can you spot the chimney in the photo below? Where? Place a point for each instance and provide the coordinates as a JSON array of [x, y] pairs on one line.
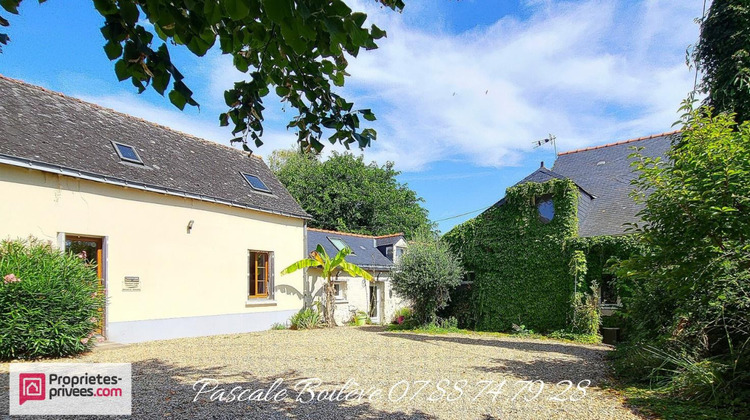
[[542, 165]]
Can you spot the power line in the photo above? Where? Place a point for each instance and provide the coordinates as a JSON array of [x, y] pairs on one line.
[[537, 143], [463, 214]]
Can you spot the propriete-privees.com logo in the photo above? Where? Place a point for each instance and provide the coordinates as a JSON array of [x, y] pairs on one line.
[[70, 388], [31, 387]]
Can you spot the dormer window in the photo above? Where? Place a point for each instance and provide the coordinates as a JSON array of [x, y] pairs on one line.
[[255, 182], [127, 153]]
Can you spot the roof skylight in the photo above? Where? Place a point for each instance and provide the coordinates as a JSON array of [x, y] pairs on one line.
[[256, 182], [127, 153], [340, 244]]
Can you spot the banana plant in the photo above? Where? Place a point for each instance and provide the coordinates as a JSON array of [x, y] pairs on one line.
[[319, 258]]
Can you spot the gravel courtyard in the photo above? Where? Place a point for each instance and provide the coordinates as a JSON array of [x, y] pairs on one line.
[[470, 376]]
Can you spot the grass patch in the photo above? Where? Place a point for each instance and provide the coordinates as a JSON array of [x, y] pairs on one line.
[[575, 337], [663, 405], [434, 329]]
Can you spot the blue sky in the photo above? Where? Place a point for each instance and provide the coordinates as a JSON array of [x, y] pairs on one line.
[[460, 88]]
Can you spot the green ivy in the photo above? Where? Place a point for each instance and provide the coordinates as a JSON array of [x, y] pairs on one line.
[[521, 265], [530, 273]]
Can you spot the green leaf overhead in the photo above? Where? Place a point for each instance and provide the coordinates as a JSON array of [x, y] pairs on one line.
[[297, 47]]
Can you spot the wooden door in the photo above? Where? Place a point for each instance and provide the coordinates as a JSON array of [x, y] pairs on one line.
[[91, 250]]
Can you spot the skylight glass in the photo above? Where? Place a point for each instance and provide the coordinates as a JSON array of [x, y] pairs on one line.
[[339, 244], [256, 183], [127, 153]]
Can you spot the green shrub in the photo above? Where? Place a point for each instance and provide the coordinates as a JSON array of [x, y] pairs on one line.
[[687, 376], [690, 299], [49, 301], [278, 326], [450, 323], [522, 330], [633, 364], [426, 274], [587, 314], [461, 306], [305, 319]]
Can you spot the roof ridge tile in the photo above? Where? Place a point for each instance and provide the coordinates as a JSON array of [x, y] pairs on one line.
[[360, 235], [653, 136]]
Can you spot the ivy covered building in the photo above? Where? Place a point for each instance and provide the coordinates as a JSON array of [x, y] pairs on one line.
[[550, 238]]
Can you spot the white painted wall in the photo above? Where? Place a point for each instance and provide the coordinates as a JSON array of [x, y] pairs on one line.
[[183, 275], [357, 295]]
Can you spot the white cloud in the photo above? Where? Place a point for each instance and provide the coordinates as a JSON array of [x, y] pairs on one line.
[[589, 72]]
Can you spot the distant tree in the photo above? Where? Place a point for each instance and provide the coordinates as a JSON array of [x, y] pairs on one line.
[[723, 56], [343, 193], [298, 47], [330, 266], [425, 274]]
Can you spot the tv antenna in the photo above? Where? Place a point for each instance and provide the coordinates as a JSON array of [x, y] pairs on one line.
[[550, 139]]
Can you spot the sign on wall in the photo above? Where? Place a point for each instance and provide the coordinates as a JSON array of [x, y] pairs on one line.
[[131, 284]]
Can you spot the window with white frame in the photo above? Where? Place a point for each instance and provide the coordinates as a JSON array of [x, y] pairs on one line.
[[400, 251], [339, 289]]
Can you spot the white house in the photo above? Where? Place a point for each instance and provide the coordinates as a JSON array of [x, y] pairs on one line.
[[377, 255], [189, 236]]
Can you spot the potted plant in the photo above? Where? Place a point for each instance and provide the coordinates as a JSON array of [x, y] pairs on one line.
[[360, 318]]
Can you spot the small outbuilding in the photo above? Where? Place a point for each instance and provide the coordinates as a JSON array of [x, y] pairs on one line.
[[377, 255]]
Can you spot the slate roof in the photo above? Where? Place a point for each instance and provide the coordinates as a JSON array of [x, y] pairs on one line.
[[540, 176], [366, 253], [605, 172], [603, 175], [388, 239], [48, 131]]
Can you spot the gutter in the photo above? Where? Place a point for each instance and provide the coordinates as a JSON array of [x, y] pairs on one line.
[[90, 176]]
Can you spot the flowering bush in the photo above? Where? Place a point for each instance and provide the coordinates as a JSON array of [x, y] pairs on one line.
[[49, 301]]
